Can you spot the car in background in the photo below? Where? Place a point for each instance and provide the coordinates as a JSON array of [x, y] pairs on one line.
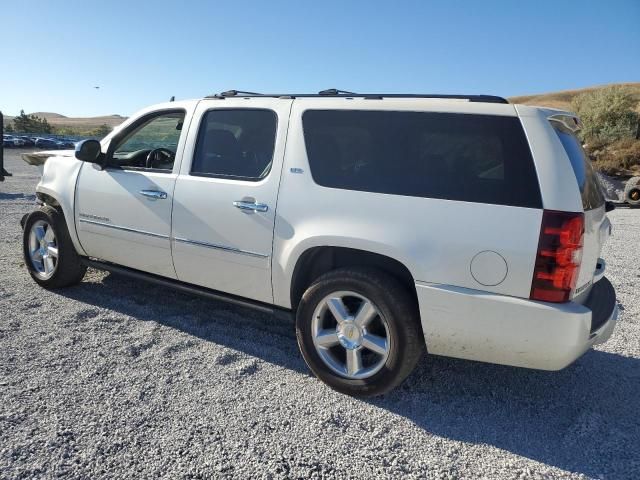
[[65, 143], [11, 141], [49, 143], [27, 141]]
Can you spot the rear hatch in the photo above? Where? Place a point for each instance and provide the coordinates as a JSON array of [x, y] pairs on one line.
[[597, 227]]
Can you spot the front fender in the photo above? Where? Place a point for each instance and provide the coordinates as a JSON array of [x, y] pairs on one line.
[[58, 183]]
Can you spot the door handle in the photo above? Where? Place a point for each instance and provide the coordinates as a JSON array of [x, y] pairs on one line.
[[252, 206], [154, 194]]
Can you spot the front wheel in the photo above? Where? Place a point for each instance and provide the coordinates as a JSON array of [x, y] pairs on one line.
[[359, 331], [49, 254]]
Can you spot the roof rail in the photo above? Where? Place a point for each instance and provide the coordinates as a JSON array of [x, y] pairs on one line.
[[335, 93]]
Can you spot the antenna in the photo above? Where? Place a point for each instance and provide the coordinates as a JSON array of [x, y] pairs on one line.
[[173, 98]]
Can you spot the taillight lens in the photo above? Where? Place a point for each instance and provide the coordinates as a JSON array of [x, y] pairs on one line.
[[559, 256]]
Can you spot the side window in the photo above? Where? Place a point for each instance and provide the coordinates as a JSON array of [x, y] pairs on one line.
[[452, 156], [151, 144], [235, 144]]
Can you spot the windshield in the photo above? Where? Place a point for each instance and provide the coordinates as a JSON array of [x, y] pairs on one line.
[[588, 182]]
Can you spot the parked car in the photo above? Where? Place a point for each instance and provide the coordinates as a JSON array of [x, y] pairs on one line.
[[8, 141], [48, 143], [384, 223], [12, 141], [66, 143], [27, 141]]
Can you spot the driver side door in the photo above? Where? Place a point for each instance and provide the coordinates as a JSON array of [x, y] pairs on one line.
[[123, 212]]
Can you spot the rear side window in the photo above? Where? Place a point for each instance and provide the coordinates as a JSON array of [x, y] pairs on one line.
[[235, 144], [472, 158], [590, 190]]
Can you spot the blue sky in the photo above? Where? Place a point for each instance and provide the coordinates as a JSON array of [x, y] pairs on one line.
[[52, 54]]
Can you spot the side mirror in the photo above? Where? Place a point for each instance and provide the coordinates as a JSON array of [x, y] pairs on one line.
[[89, 151]]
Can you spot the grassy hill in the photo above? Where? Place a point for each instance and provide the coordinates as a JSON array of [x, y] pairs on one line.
[[621, 156], [563, 98], [77, 123]]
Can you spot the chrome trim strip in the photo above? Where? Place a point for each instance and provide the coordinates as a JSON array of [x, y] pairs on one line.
[[219, 247], [124, 229]]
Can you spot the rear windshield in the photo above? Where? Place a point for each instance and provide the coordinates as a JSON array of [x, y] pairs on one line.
[[473, 158], [588, 182]]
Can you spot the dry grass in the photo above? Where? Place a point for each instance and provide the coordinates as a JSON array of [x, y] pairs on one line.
[[562, 99], [77, 123], [621, 158]]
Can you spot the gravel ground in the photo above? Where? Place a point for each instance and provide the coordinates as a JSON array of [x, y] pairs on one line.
[[119, 379]]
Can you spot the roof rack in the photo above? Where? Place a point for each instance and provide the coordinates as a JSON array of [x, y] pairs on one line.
[[335, 93]]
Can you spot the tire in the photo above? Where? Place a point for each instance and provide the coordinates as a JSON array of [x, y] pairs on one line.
[[50, 271], [632, 191], [394, 318]]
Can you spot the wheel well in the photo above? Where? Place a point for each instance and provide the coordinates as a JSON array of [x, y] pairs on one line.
[[319, 260], [48, 199]]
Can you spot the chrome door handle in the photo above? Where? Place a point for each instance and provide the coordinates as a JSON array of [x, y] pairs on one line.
[[154, 194], [252, 206]]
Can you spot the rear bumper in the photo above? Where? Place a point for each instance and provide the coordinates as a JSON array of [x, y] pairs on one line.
[[475, 325]]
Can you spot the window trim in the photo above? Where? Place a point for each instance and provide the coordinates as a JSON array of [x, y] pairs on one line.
[[234, 177], [119, 137]]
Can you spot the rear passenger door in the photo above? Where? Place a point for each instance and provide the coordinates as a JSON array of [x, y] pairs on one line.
[[225, 197]]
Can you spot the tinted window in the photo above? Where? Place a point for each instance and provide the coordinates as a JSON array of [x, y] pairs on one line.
[[590, 190], [235, 144], [474, 158]]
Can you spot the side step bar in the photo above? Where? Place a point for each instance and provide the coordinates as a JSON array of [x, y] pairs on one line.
[[184, 287]]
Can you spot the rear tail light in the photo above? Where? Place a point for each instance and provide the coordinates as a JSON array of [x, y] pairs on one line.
[[559, 256]]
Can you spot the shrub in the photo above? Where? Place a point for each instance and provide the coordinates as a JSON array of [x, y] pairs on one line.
[[607, 115], [31, 124], [620, 157]]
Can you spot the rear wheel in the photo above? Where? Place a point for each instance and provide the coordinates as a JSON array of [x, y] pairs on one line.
[[49, 254], [359, 332]]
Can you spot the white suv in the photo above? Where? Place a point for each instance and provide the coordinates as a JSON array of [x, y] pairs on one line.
[[383, 222]]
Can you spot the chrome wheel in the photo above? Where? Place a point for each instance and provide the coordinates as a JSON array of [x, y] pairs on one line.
[[350, 335], [43, 249]]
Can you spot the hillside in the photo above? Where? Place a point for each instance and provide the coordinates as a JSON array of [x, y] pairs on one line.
[[77, 123], [562, 99]]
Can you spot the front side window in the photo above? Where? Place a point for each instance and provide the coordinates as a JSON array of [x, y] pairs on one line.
[[151, 143], [236, 144], [473, 158]]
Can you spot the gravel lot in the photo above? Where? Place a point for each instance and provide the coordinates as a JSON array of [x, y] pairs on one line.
[[119, 379]]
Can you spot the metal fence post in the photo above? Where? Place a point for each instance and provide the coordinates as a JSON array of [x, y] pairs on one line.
[[3, 172]]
